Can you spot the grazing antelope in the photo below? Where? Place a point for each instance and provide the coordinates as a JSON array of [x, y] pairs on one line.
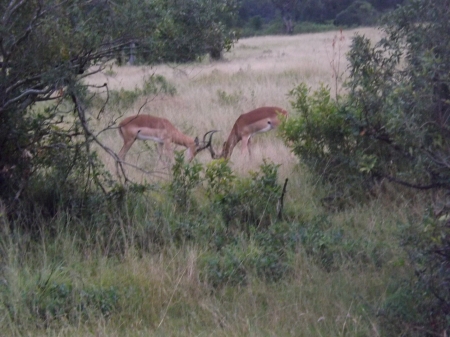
[[259, 120], [160, 130]]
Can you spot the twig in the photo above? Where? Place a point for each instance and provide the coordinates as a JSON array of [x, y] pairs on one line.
[[281, 201]]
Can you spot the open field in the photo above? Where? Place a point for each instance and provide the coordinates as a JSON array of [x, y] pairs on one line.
[[257, 72]]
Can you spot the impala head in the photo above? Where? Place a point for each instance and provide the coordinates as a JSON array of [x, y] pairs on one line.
[[199, 146]]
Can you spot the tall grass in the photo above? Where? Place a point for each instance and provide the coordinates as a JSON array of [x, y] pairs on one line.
[[135, 280], [148, 266], [211, 95]]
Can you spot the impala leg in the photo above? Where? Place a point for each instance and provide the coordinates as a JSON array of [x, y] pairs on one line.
[[245, 144], [125, 148], [160, 150], [168, 152]]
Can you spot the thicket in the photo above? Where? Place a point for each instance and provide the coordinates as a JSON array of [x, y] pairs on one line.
[[393, 125], [48, 48], [244, 233], [297, 16]]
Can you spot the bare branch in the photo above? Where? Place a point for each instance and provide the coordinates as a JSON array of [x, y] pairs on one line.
[[10, 9], [412, 185], [26, 93]]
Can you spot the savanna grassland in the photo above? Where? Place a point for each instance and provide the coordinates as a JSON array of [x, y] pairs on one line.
[[158, 267], [256, 72]]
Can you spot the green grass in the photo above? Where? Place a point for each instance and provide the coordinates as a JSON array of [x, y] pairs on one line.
[[144, 270]]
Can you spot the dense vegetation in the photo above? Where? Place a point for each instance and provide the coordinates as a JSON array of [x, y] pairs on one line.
[[393, 125], [294, 16], [47, 48], [73, 237]]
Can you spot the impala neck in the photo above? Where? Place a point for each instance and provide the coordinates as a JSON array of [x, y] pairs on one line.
[[186, 141], [229, 145]]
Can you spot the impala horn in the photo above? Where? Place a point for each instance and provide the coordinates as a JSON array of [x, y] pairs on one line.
[[209, 142]]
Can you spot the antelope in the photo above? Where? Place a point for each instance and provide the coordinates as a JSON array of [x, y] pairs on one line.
[[160, 130], [259, 120]]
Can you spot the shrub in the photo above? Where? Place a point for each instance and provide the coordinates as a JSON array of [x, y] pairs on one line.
[[256, 22], [226, 268], [321, 134], [50, 300], [357, 14], [421, 303], [185, 178], [153, 85], [245, 201], [229, 99], [392, 125]]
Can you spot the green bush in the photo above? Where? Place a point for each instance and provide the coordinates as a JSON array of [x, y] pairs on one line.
[[421, 303], [229, 99], [153, 85], [49, 301], [244, 202], [185, 177], [357, 14], [256, 22], [266, 255], [276, 246], [321, 135], [226, 268], [392, 125]]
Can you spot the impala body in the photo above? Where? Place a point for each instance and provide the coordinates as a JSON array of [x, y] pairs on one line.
[[160, 130], [259, 120]]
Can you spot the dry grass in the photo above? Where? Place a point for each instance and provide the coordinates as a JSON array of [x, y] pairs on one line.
[[211, 95]]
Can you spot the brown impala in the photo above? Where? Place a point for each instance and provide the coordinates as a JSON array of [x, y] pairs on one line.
[[160, 130], [259, 120]]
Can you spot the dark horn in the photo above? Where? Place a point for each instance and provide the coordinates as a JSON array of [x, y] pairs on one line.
[[209, 142]]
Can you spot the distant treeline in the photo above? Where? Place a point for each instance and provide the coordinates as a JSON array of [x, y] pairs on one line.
[[339, 12]]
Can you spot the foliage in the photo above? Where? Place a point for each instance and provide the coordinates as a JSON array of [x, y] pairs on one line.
[[392, 125], [321, 135], [232, 99], [245, 201], [226, 268], [152, 86], [266, 255], [185, 178], [256, 22], [359, 13], [402, 108], [47, 48], [145, 254], [313, 11], [242, 202], [52, 300], [187, 30], [384, 129], [423, 302]]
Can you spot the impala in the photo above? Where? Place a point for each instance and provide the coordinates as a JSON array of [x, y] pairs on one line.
[[160, 130], [259, 120]]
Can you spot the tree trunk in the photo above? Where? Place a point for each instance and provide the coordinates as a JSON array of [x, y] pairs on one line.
[[288, 24]]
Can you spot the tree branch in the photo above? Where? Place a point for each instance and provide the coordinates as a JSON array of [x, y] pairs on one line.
[[411, 185]]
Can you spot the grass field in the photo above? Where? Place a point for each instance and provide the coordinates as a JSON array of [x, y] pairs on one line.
[[257, 72], [133, 278]]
